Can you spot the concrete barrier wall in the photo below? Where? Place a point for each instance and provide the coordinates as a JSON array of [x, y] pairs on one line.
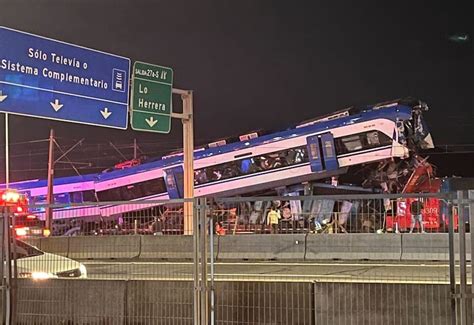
[[55, 245], [104, 247], [265, 247], [170, 247], [405, 247], [353, 247], [431, 247], [33, 241], [167, 247]]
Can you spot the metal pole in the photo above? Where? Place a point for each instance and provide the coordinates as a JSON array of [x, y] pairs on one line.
[[188, 151], [14, 287], [7, 154], [452, 263], [50, 194], [197, 288], [3, 261], [203, 243], [8, 264], [462, 260], [135, 148], [211, 250], [471, 230]]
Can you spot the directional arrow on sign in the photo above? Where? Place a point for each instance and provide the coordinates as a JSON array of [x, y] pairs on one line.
[[56, 106], [105, 113], [151, 121], [2, 97]]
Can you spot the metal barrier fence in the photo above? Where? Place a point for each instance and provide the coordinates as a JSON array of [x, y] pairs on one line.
[[169, 302], [305, 214], [301, 276]]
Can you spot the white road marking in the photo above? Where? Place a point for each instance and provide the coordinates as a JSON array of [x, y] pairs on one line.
[[266, 263]]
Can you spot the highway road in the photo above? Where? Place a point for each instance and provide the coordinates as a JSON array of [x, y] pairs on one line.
[[275, 271]]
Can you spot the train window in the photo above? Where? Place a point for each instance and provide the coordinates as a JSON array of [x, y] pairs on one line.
[[76, 197], [373, 138], [329, 152], [130, 192], [361, 141], [62, 198], [352, 143], [88, 196], [40, 199], [133, 191], [110, 195], [251, 165], [313, 151], [153, 186]]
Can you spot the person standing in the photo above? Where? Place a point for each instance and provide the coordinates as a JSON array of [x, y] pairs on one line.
[[273, 218], [219, 229], [416, 209]]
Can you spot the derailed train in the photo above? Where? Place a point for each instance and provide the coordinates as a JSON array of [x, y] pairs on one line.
[[378, 143]]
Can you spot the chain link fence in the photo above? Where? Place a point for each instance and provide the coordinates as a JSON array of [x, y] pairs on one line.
[[298, 215]]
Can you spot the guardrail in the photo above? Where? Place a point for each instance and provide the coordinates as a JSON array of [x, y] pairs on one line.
[[300, 247]]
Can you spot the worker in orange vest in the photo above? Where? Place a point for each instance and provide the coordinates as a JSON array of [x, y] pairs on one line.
[[220, 231]]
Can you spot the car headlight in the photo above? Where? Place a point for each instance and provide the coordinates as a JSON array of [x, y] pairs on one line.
[[42, 275], [83, 270]]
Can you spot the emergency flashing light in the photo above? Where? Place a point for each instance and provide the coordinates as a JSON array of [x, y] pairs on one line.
[[20, 232], [10, 197]]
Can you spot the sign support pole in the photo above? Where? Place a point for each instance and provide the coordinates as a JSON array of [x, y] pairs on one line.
[[7, 154], [188, 152], [49, 196]]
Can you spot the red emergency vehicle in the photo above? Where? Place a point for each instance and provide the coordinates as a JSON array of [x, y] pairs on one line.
[[436, 211], [24, 223]]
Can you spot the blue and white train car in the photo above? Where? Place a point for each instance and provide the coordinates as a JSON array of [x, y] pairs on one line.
[[67, 192], [313, 150]]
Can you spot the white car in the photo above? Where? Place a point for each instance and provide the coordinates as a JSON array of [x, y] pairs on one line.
[[36, 264]]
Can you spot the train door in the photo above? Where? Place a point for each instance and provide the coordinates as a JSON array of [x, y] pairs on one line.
[[322, 152], [174, 179]]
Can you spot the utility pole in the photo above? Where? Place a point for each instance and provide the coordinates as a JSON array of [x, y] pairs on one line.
[[7, 153], [50, 194]]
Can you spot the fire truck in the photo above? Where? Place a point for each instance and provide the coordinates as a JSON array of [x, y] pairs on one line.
[[435, 214], [24, 223]]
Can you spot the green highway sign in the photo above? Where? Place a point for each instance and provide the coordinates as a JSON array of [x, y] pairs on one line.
[[152, 87]]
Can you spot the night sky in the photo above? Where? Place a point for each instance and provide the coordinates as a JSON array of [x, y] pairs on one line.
[[262, 65]]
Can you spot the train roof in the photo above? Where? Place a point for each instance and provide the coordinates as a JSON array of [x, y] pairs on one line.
[[57, 181]]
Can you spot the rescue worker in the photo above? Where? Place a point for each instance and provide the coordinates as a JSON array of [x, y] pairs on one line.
[[220, 231], [273, 218], [416, 208]]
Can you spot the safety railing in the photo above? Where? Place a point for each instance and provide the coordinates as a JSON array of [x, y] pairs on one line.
[[233, 216]]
